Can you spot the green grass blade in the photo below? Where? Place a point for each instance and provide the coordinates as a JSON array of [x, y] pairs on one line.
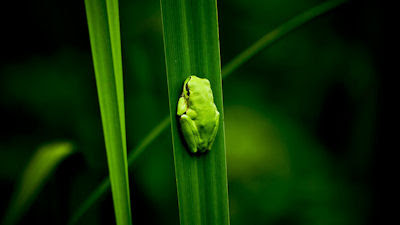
[[38, 170], [103, 23], [134, 154], [96, 194], [279, 32], [191, 45], [239, 60], [105, 184]]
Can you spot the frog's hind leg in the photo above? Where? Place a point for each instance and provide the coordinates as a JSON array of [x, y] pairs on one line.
[[214, 133], [190, 132]]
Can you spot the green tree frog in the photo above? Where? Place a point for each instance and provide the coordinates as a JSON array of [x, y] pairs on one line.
[[198, 115]]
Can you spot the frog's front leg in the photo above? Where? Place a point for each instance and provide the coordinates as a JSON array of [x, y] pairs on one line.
[[190, 132], [182, 106], [214, 133]]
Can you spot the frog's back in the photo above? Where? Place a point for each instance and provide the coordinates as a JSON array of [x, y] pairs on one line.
[[203, 96], [206, 109]]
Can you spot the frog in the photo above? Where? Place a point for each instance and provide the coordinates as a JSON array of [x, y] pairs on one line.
[[198, 115]]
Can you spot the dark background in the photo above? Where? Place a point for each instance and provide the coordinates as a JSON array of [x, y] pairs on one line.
[[304, 118]]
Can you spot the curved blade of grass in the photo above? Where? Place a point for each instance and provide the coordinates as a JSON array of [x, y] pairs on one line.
[[278, 33], [103, 23], [239, 60], [105, 184], [38, 170], [191, 44]]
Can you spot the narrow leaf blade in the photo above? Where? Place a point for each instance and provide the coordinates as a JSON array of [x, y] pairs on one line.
[[280, 32], [38, 170], [105, 184], [103, 23], [192, 48]]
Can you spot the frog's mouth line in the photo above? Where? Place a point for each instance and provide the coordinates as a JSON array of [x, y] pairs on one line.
[[187, 93], [187, 90], [187, 86]]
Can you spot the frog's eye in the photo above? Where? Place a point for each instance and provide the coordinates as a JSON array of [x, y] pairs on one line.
[[186, 91]]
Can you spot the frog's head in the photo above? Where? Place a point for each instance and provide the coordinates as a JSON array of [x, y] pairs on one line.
[[194, 84]]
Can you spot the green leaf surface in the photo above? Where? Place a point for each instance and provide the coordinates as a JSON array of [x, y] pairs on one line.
[[38, 170], [191, 45], [103, 22], [267, 40]]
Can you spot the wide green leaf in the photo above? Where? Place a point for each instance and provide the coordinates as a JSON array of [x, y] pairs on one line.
[[191, 45], [103, 22]]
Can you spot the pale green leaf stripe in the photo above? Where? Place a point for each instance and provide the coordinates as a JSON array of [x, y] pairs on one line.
[[38, 170], [278, 33], [226, 71], [103, 23]]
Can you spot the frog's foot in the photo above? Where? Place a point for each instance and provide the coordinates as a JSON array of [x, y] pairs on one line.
[[190, 132]]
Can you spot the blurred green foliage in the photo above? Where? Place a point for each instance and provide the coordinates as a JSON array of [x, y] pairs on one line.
[[300, 116], [34, 176]]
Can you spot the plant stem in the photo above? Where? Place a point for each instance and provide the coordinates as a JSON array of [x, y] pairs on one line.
[[278, 33]]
